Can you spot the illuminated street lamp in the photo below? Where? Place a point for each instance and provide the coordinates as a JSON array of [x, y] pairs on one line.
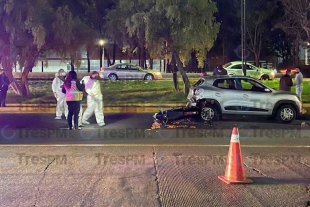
[[102, 42]]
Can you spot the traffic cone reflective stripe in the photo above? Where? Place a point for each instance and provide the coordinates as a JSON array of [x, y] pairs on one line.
[[235, 136], [235, 172]]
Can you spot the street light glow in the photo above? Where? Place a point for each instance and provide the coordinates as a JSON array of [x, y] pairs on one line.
[[101, 42]]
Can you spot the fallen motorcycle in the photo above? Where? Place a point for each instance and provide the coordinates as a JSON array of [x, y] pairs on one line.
[[168, 116]]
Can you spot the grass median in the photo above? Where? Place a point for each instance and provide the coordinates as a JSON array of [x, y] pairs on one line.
[[128, 92]]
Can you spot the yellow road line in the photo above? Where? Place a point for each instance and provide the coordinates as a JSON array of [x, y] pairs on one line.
[[144, 145]]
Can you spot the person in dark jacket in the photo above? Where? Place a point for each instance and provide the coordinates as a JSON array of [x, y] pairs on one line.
[[4, 87], [219, 70], [74, 95], [286, 81]]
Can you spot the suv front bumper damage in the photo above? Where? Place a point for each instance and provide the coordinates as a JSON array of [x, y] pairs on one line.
[[191, 103]]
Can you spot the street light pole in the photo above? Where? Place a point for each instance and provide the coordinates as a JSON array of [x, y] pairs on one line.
[[102, 42], [103, 56], [243, 35]]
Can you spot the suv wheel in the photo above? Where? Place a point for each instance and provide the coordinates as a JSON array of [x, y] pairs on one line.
[[208, 113], [286, 114]]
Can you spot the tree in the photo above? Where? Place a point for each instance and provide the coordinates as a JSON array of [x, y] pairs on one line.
[[129, 38], [257, 24], [82, 34], [182, 25], [30, 28], [98, 9], [24, 31], [295, 22], [281, 44], [229, 35], [297, 16]]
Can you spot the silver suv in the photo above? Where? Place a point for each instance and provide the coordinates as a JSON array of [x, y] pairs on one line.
[[240, 95]]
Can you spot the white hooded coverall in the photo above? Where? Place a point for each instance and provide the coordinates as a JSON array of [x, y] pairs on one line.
[[94, 101], [84, 79], [299, 82], [60, 96]]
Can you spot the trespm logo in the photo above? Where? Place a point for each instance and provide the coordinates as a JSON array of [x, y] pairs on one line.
[[24, 159], [42, 133], [103, 159]]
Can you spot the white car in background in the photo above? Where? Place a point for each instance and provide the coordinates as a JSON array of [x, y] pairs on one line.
[[128, 71], [235, 68]]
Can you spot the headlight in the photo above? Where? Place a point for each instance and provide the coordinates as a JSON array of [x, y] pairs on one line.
[[157, 73], [272, 73]]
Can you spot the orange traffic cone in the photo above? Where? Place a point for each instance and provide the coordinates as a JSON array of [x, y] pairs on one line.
[[234, 165]]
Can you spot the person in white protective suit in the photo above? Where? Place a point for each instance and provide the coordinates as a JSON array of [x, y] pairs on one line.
[[94, 100], [298, 82], [60, 97], [83, 83]]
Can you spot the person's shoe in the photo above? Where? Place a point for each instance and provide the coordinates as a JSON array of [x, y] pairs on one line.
[[85, 122], [79, 128], [81, 125], [58, 117], [70, 128], [101, 124]]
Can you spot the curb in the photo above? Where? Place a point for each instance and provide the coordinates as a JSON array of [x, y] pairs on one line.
[[142, 105], [108, 109], [49, 105], [115, 109]]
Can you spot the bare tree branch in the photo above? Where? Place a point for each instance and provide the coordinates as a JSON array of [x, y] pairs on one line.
[[296, 17]]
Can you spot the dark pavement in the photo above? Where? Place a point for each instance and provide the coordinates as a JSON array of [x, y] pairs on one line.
[[127, 164], [136, 129]]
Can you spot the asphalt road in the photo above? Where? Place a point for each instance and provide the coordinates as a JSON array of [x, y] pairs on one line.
[[127, 164], [136, 129]]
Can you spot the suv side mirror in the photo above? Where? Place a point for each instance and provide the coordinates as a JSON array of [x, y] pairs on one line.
[[267, 90]]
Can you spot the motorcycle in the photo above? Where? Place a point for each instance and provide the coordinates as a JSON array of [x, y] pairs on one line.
[[174, 114]]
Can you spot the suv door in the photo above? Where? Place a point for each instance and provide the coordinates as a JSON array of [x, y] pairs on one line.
[[254, 97], [227, 95]]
